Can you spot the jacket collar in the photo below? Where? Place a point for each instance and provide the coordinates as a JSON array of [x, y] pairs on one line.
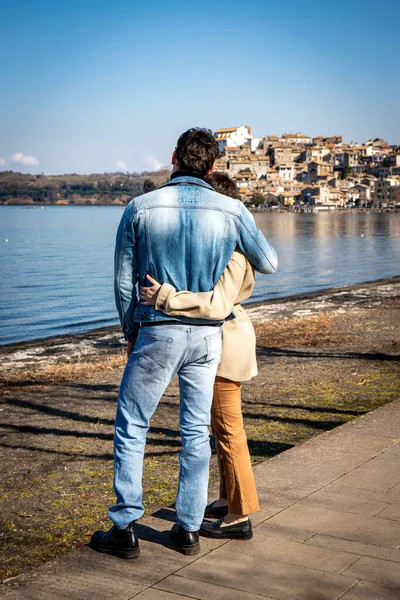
[[182, 177], [182, 173]]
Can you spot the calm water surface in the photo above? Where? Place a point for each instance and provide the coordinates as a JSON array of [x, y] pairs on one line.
[[57, 265]]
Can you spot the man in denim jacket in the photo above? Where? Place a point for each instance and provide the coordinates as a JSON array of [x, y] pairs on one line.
[[183, 233]]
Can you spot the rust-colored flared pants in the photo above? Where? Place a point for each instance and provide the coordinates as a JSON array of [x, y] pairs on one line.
[[236, 475]]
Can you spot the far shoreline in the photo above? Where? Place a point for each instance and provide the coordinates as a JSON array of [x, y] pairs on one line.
[[279, 209]]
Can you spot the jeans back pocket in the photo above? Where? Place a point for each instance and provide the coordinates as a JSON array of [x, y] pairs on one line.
[[154, 352], [214, 347]]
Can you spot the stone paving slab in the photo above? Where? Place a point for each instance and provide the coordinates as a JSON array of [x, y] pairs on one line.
[[265, 512], [348, 526], [363, 495], [392, 512], [377, 475], [394, 492], [383, 572], [344, 502], [328, 529], [394, 451], [294, 553], [267, 577], [281, 531], [202, 590], [154, 594], [359, 548], [365, 590]]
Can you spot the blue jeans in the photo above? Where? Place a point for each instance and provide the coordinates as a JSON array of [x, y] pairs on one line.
[[162, 351]]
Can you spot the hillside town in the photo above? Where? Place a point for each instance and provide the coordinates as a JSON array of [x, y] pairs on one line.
[[298, 172]]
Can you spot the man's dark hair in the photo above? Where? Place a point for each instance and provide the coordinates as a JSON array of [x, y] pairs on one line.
[[196, 151], [222, 183]]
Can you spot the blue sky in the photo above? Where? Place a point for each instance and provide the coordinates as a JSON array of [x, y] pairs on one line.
[[94, 86]]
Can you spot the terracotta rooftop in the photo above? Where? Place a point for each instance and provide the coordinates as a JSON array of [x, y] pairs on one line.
[[323, 163], [295, 135], [230, 129], [226, 130]]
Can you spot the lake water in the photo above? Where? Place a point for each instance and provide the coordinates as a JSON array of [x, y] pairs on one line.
[[57, 265]]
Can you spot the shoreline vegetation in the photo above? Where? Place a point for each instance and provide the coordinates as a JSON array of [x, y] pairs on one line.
[[324, 359], [98, 189], [109, 189]]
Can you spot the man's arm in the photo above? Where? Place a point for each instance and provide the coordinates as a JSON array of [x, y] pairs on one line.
[[215, 305], [125, 273], [253, 244]]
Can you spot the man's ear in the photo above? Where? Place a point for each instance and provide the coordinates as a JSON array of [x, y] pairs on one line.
[[211, 170], [173, 158]]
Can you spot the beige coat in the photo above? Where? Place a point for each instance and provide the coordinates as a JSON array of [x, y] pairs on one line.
[[238, 361]]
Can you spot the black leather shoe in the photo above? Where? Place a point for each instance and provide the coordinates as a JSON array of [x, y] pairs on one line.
[[215, 512], [238, 531], [119, 542], [187, 541]]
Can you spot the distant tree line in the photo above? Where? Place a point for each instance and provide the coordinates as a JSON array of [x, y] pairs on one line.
[[103, 189]]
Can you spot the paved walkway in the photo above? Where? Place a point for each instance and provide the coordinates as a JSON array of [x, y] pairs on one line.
[[328, 529]]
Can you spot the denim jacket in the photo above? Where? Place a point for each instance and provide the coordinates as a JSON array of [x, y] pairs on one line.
[[184, 234]]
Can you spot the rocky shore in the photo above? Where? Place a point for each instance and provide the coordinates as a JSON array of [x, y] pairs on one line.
[[109, 340], [324, 359]]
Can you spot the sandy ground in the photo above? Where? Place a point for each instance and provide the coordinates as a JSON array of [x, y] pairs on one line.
[[323, 360]]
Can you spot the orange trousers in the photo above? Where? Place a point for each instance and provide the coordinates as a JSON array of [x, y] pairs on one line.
[[237, 483]]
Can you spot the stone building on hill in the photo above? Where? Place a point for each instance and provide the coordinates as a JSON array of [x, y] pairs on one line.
[[233, 137], [321, 172], [384, 191], [296, 138]]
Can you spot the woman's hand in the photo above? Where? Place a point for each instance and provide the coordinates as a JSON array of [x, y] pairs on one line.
[[148, 295]]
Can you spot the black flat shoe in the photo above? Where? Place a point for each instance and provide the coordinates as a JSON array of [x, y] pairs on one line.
[[187, 541], [215, 512], [123, 543], [238, 531]]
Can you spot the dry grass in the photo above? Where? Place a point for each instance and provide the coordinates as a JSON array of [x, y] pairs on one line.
[[65, 372], [315, 330]]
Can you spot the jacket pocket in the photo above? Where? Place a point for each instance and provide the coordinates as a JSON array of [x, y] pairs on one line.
[[154, 352]]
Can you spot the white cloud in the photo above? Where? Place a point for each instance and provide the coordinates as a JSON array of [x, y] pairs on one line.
[[2, 162], [152, 164], [27, 161], [117, 165]]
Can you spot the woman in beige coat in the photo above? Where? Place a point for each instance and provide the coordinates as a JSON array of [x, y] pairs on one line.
[[238, 494]]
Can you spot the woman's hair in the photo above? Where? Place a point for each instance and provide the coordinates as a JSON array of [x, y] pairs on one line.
[[223, 184]]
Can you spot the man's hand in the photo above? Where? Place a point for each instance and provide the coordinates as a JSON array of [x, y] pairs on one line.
[[148, 295], [131, 345]]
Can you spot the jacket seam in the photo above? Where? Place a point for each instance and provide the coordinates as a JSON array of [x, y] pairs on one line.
[[189, 207], [150, 255], [258, 245]]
